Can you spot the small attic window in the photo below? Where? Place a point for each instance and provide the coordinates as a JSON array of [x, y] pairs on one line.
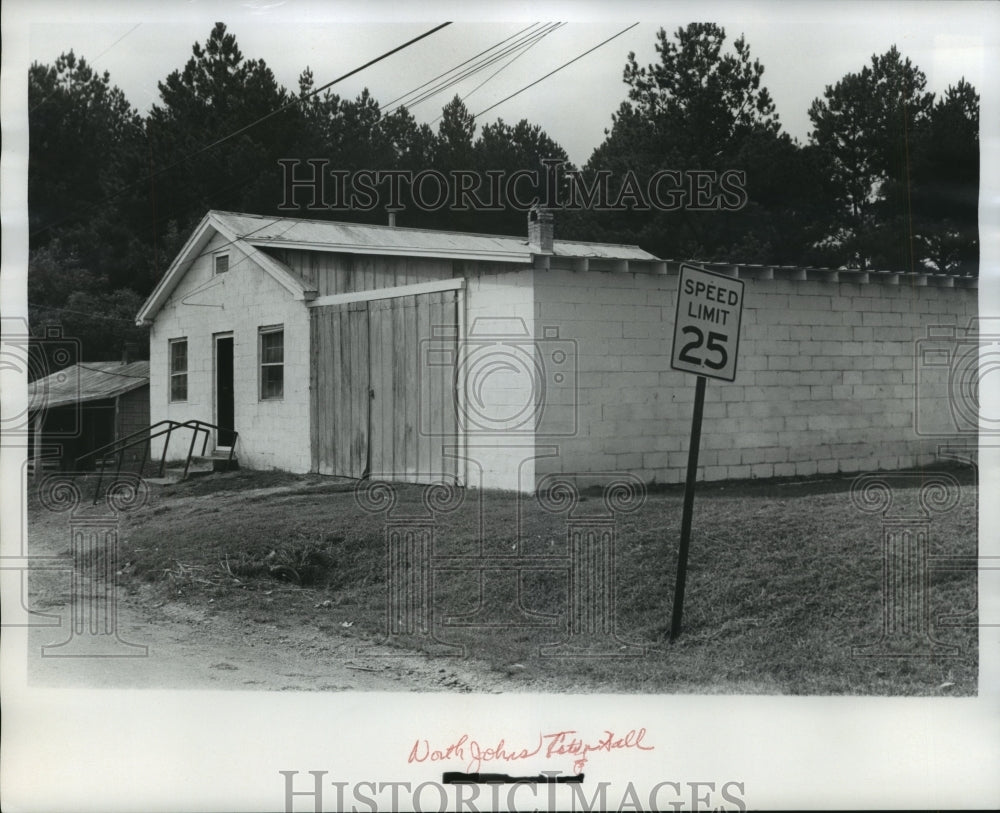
[[221, 263]]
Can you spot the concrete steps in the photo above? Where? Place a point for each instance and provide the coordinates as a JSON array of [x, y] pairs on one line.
[[216, 461], [201, 465], [162, 481]]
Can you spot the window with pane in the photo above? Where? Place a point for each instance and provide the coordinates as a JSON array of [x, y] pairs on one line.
[[272, 363], [178, 369]]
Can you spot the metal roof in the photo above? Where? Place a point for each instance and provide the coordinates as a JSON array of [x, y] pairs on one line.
[[331, 235], [87, 381]]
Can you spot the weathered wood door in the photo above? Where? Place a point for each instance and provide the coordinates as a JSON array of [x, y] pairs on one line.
[[383, 389]]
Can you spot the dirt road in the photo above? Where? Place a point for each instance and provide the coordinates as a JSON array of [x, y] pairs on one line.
[[191, 649]]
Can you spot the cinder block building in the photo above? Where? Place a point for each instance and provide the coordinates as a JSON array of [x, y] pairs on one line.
[[416, 355]]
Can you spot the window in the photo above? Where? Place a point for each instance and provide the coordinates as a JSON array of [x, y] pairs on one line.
[[178, 369], [221, 263], [272, 362]]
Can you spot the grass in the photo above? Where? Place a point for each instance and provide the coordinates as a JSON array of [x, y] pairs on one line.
[[784, 579]]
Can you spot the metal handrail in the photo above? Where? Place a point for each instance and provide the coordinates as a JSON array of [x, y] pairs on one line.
[[205, 426], [167, 428], [114, 443]]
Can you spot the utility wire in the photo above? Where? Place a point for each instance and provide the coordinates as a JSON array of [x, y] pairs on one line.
[[111, 372], [90, 315], [529, 40], [299, 99], [524, 41], [565, 64], [504, 66], [461, 64], [525, 50], [295, 100], [112, 45]]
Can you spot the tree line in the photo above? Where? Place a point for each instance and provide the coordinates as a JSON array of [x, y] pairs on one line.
[[887, 180]]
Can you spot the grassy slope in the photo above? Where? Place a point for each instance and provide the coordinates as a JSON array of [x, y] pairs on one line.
[[783, 579]]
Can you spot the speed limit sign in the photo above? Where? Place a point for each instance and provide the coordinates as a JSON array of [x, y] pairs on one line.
[[707, 343], [707, 324]]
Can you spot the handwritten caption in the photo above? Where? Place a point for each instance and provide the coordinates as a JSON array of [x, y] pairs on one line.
[[550, 745]]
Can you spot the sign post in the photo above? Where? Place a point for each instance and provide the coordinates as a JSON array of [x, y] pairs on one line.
[[706, 343]]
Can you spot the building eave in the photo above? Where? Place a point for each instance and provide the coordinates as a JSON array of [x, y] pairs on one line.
[[516, 257], [182, 263]]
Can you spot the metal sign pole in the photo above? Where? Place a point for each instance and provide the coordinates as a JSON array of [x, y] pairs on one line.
[[692, 473]]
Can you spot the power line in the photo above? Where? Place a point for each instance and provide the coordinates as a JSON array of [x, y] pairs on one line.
[[296, 100], [110, 372], [506, 65], [112, 45], [565, 64], [90, 315], [503, 67], [300, 99], [531, 39], [461, 64]]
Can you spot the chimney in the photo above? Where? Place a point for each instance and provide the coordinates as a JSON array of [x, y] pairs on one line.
[[540, 230]]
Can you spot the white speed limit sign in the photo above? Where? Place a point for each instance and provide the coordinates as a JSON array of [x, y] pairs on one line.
[[707, 325]]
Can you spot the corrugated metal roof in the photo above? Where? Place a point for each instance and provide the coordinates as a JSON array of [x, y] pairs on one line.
[[609, 251], [335, 236], [87, 381]]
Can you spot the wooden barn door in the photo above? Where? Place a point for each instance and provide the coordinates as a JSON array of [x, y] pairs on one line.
[[383, 393], [340, 392], [413, 411]]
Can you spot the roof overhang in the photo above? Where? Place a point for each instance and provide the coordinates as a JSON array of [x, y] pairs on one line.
[[519, 257], [210, 225]]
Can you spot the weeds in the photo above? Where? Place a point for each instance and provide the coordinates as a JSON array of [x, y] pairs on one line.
[[779, 589]]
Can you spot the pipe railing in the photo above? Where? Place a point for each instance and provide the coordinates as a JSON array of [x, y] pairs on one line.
[[145, 436]]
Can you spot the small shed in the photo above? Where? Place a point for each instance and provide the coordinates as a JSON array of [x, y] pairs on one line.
[[83, 407]]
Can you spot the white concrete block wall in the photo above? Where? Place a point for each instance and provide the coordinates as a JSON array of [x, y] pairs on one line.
[[826, 379], [273, 433], [499, 351]]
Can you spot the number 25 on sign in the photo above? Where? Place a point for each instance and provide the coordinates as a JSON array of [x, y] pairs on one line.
[[706, 343], [707, 327]]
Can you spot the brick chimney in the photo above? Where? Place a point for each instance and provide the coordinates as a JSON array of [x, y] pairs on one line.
[[541, 228]]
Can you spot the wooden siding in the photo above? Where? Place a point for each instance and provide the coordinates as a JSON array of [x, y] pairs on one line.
[[132, 415], [379, 408], [333, 273], [133, 411], [340, 390]]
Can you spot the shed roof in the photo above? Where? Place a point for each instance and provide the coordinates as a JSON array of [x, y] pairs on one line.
[[254, 234], [251, 233], [87, 381], [362, 238]]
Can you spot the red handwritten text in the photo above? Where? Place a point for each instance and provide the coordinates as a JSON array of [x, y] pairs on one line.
[[549, 746]]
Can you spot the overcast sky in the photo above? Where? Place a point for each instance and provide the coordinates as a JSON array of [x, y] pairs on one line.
[[803, 49]]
